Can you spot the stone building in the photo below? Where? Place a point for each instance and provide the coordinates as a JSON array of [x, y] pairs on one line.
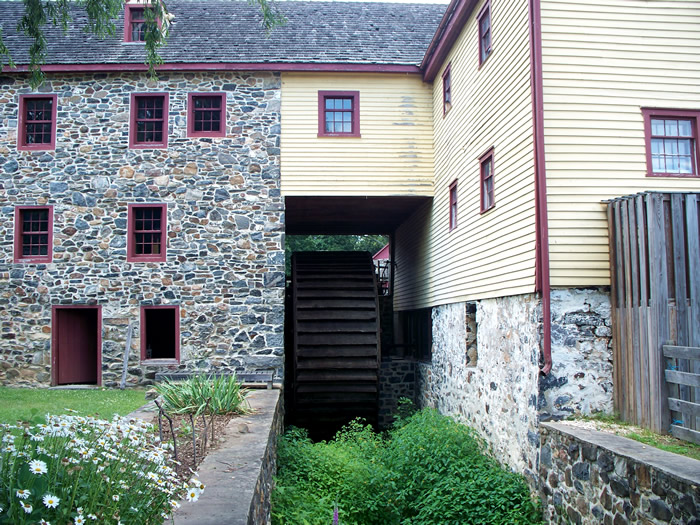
[[484, 137]]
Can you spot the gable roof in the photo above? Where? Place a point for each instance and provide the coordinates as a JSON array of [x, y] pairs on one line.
[[229, 31]]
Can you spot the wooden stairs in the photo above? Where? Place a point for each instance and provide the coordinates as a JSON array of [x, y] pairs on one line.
[[336, 347]]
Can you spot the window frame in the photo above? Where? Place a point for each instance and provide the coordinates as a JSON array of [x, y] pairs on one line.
[[19, 232], [488, 156], [133, 144], [22, 121], [679, 114], [486, 9], [131, 255], [355, 122], [453, 199], [128, 20], [143, 330], [447, 90], [191, 112]]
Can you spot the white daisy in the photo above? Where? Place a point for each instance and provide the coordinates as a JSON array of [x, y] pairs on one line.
[[37, 467], [115, 497], [51, 501], [192, 494], [26, 507], [23, 493], [79, 520]]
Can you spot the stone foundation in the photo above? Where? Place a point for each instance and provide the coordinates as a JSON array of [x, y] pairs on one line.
[[225, 225], [590, 477], [498, 395], [397, 379], [581, 378]]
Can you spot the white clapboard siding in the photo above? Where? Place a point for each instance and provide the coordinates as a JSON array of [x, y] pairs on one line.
[[394, 155], [602, 62], [493, 254]]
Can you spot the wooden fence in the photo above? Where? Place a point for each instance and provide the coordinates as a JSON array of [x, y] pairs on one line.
[[655, 276], [683, 390]]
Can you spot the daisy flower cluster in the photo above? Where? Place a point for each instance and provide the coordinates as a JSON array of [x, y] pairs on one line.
[[84, 470]]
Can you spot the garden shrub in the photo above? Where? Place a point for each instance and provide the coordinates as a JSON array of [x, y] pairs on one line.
[[224, 394], [79, 470], [427, 470]]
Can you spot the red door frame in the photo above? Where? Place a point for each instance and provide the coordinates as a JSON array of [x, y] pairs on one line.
[[54, 338]]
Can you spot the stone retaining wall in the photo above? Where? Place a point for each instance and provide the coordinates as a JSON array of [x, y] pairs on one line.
[[397, 379], [225, 224], [590, 477]]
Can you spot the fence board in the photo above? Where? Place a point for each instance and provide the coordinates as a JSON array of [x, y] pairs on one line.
[[684, 406], [686, 434], [682, 378], [692, 202], [643, 357]]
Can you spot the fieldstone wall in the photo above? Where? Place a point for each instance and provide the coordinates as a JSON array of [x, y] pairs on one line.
[[225, 223], [497, 396], [397, 379], [581, 378], [590, 477]]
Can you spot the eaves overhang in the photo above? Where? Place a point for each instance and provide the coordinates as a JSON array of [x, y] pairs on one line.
[[446, 35]]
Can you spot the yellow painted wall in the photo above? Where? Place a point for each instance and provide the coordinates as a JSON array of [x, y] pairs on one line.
[[493, 254], [394, 155], [602, 62]]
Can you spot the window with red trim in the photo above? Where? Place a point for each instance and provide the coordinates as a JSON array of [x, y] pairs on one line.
[[206, 115], [149, 120], [136, 22], [33, 234], [453, 205], [484, 21], [338, 113], [160, 332], [146, 232], [488, 200], [672, 142], [37, 122], [447, 90]]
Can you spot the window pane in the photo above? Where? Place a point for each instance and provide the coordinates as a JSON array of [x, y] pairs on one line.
[[672, 165], [671, 146], [657, 163], [329, 103], [657, 146], [657, 127], [684, 146], [686, 165], [346, 127], [685, 128], [347, 103], [671, 128]]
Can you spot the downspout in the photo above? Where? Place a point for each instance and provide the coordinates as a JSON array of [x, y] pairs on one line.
[[542, 279]]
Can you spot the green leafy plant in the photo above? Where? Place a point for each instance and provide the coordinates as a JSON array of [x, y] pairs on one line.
[[200, 393], [81, 469], [427, 470]]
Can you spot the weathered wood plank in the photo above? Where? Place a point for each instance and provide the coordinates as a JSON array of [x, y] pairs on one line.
[[686, 434], [658, 278], [621, 367], [336, 326], [684, 406], [334, 375], [337, 285], [679, 258], [336, 351], [692, 217], [337, 339], [333, 303], [333, 314], [683, 378], [335, 294], [683, 352], [634, 310], [332, 363], [333, 387], [614, 302], [643, 349]]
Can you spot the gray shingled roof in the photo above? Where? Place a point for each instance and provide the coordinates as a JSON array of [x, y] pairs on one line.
[[229, 31]]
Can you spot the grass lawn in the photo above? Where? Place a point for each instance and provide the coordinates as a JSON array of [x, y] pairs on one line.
[[31, 404]]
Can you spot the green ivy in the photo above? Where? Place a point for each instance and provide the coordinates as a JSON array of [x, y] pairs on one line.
[[427, 470]]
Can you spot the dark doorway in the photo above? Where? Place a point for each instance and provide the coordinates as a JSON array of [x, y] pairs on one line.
[[160, 329], [76, 345]]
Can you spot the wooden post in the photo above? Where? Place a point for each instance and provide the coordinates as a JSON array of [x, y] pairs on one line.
[[127, 351]]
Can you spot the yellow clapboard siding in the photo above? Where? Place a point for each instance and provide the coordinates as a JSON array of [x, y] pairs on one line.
[[393, 156], [602, 62], [489, 255]]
